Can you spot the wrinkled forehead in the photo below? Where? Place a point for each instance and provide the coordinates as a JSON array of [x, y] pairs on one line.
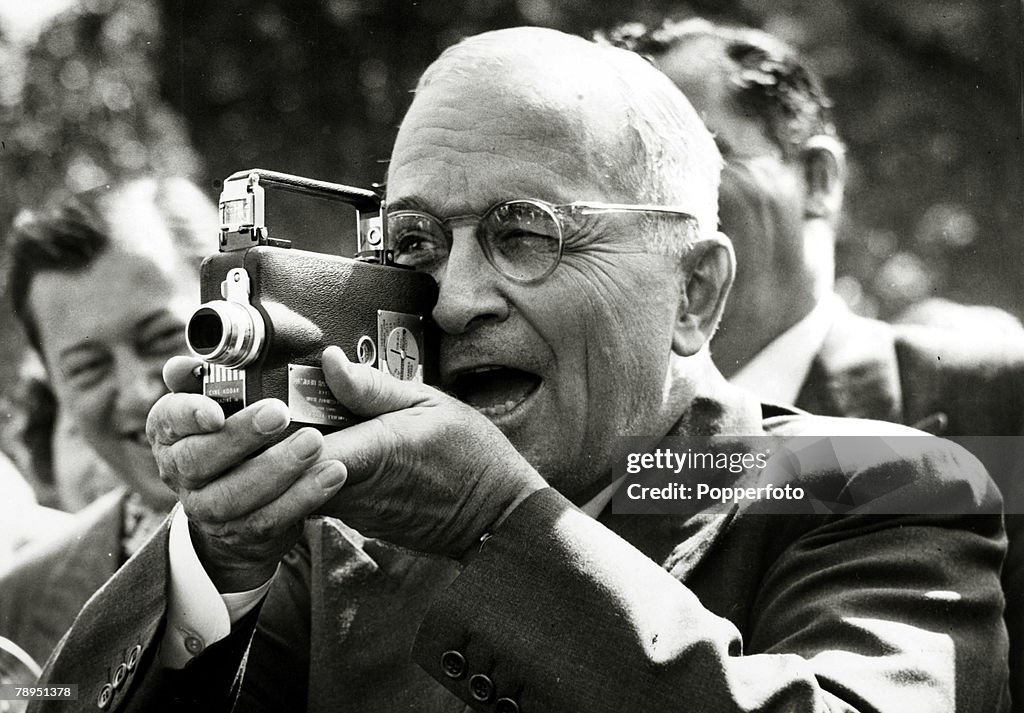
[[512, 124]]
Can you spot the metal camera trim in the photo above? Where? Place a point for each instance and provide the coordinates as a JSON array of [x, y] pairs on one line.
[[242, 330], [242, 333], [243, 214]]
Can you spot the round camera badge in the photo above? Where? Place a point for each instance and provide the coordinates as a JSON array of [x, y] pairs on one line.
[[366, 350], [374, 237], [403, 354]]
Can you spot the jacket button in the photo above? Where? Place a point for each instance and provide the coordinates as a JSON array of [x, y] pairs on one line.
[[453, 664], [120, 674], [481, 687], [133, 657], [193, 644], [106, 695], [506, 705]]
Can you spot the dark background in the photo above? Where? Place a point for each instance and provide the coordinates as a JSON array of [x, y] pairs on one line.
[[927, 93]]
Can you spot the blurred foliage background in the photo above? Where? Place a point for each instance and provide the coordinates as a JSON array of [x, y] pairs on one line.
[[927, 93]]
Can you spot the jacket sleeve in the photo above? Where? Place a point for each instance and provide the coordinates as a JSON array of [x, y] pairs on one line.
[[108, 651], [111, 651], [865, 613]]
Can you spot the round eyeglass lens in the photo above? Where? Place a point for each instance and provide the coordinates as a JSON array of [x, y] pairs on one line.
[[418, 240], [522, 239]]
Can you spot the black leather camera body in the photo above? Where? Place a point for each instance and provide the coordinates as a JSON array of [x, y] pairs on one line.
[[269, 310]]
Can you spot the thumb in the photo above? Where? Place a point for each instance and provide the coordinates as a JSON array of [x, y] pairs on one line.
[[182, 375], [364, 390]]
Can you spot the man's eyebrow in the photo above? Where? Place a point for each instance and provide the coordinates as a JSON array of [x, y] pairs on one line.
[[140, 325], [407, 203], [147, 320]]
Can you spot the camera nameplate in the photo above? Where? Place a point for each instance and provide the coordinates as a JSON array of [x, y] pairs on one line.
[[310, 399]]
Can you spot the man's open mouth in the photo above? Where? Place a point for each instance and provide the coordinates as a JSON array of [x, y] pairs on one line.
[[494, 390]]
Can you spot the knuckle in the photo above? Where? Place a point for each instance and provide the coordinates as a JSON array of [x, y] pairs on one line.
[[374, 391], [184, 464], [168, 475], [389, 456], [214, 504], [198, 510], [260, 527], [165, 433], [151, 430], [223, 531], [177, 416], [157, 427], [392, 449], [168, 467]]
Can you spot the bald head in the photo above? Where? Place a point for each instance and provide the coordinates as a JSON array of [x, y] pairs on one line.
[[601, 115], [609, 341]]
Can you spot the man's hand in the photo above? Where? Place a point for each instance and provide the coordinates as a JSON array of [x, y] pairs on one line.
[[425, 471], [244, 513]]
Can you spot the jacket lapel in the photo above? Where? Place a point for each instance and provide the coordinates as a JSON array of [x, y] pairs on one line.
[[91, 556], [100, 643], [680, 543], [368, 600]]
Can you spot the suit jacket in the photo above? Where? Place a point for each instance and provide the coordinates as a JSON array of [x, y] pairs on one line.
[[913, 373], [960, 385], [560, 612], [43, 590]]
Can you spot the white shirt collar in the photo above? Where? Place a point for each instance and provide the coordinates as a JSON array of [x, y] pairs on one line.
[[777, 372]]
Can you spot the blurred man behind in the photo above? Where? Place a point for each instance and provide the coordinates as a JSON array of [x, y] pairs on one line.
[[785, 335], [102, 284]]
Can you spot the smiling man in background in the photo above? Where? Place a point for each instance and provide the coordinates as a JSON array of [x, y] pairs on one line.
[[102, 283]]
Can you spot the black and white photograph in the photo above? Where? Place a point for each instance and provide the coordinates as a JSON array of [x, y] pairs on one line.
[[519, 356]]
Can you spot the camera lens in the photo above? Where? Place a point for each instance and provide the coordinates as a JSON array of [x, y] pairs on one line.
[[227, 333], [205, 331]]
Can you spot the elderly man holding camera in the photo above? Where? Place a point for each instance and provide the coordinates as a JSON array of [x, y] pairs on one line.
[[563, 195]]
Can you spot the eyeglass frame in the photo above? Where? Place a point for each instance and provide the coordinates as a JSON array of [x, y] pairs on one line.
[[555, 210]]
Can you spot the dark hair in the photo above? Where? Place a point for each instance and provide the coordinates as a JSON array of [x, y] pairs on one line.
[[768, 76], [71, 234]]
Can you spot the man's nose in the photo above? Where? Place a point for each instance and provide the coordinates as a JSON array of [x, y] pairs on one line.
[[139, 383], [469, 290]]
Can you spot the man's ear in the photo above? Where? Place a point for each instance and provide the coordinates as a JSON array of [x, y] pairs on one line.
[[708, 271], [824, 164]]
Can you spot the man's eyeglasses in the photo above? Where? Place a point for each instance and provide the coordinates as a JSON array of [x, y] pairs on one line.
[[522, 239]]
